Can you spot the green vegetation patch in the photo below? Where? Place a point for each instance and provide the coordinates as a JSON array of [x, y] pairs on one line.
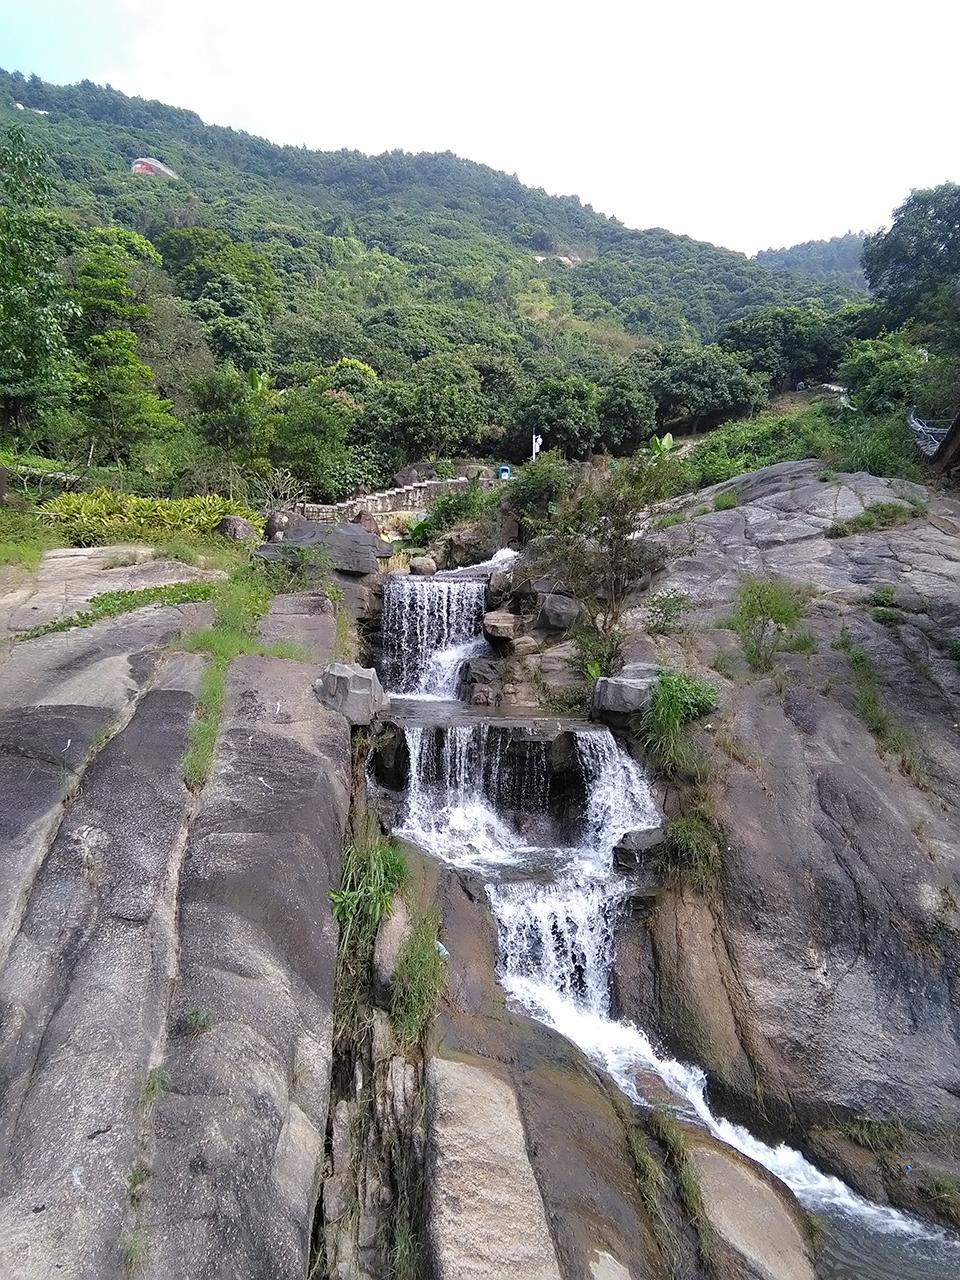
[[944, 1194], [668, 1132], [726, 501], [675, 700], [878, 515], [892, 738], [651, 1183], [23, 538], [691, 853], [106, 515], [665, 609], [373, 870], [765, 609], [875, 1135], [418, 981]]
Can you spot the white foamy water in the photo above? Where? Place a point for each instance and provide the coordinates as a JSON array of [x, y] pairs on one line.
[[426, 624], [556, 950]]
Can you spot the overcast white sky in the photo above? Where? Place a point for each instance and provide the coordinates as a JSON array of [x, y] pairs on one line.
[[749, 123]]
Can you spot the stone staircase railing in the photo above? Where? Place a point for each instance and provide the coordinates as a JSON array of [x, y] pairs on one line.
[[410, 497]]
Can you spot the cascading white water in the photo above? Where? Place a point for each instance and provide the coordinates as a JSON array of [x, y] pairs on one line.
[[431, 626], [556, 948]]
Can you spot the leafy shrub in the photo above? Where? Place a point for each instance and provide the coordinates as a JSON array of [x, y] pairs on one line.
[[538, 486], [765, 608], [885, 596], [665, 609], [599, 652], [675, 700], [104, 515], [23, 538], [373, 871], [847, 440], [451, 509], [878, 515], [691, 853]]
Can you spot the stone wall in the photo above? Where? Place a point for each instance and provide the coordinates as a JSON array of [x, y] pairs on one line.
[[410, 497]]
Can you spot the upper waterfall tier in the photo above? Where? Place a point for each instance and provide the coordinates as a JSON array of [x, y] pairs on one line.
[[430, 627]]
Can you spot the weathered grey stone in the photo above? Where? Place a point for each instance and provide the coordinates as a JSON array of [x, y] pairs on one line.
[[393, 931], [69, 577], [624, 694], [280, 523], [351, 548], [500, 625], [236, 529], [753, 1218], [558, 612], [524, 646], [423, 566], [353, 691], [486, 1217], [366, 520], [240, 1134]]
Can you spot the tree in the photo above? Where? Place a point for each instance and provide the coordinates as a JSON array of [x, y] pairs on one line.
[[311, 440], [698, 386], [919, 253], [34, 359], [231, 413], [882, 373], [564, 412], [115, 391], [784, 343]]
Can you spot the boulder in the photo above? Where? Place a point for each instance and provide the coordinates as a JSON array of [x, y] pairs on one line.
[[367, 521], [414, 474], [423, 566], [480, 671], [524, 646], [280, 523], [354, 691], [560, 666], [235, 528], [624, 694], [500, 624], [392, 933], [501, 584], [559, 613], [351, 549]]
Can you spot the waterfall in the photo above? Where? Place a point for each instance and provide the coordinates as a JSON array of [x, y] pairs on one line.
[[556, 944], [430, 627]]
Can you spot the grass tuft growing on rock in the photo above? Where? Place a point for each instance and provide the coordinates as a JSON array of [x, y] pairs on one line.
[[158, 1082], [675, 700], [418, 981], [875, 1135], [134, 1251], [137, 1181], [944, 1194], [23, 539], [691, 853], [892, 738], [878, 515], [726, 501], [668, 1132], [650, 1186], [110, 604], [373, 870]]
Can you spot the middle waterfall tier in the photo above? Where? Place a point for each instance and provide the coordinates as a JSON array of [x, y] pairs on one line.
[[431, 627]]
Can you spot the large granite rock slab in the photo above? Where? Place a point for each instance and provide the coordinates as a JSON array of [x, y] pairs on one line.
[[486, 1217], [239, 1135], [350, 547]]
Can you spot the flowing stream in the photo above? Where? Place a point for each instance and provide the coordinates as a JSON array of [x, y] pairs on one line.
[[556, 906]]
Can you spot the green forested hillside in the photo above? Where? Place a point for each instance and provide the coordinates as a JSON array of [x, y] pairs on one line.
[[837, 260], [336, 314]]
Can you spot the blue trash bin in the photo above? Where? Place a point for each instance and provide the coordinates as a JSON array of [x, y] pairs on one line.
[[503, 473]]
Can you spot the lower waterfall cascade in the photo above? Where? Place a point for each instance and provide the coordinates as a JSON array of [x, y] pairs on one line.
[[556, 944]]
